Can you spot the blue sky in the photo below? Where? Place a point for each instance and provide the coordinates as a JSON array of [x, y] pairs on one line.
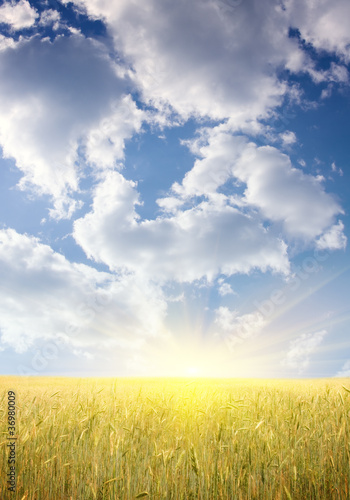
[[174, 188]]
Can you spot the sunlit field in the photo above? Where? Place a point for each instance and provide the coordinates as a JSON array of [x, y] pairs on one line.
[[84, 439]]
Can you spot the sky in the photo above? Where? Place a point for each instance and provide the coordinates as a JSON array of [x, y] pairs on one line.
[[174, 188]]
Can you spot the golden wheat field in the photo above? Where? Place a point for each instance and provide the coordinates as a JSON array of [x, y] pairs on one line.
[[129, 438]]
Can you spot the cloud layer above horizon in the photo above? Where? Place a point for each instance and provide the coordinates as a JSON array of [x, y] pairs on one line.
[[74, 102]]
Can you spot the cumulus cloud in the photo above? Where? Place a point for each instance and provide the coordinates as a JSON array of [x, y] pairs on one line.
[[203, 241], [105, 143], [57, 97], [284, 193], [66, 109], [281, 192], [216, 153], [324, 24], [82, 107], [288, 137], [185, 55], [18, 15], [301, 350], [224, 288], [44, 296], [228, 59], [49, 17], [6, 42], [333, 239], [181, 243]]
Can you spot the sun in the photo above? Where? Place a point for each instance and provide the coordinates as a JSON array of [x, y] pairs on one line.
[[192, 371], [192, 356]]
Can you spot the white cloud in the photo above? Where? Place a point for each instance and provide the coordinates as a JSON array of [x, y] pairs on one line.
[[336, 169], [324, 24], [52, 107], [225, 289], [82, 354], [333, 239], [50, 16], [335, 73], [237, 328], [55, 98], [217, 152], [45, 297], [301, 349], [65, 113], [339, 73], [169, 204], [105, 143], [204, 59], [180, 244], [18, 15], [282, 193], [176, 298], [288, 137], [327, 92], [6, 42], [345, 371], [203, 241]]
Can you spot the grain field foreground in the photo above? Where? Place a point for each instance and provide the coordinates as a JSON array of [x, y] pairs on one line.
[[205, 439]]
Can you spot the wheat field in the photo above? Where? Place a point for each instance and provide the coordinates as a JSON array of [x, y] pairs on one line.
[[129, 438]]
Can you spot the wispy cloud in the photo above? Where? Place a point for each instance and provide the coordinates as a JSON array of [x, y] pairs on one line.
[[345, 371], [235, 328], [301, 349]]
